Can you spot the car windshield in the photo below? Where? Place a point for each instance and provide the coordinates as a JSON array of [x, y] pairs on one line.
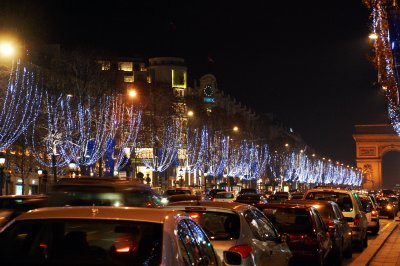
[[218, 225], [248, 191], [83, 196], [342, 199], [83, 242], [289, 220]]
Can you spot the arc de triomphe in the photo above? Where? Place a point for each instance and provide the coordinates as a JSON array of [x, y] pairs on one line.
[[372, 142]]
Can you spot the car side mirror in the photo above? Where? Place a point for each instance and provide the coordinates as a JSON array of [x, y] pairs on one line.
[[232, 258]]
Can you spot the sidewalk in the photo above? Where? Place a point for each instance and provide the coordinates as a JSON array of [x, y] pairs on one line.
[[374, 247], [389, 254]]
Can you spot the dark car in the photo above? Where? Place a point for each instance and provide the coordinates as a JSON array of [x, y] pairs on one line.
[[251, 199], [308, 236], [213, 192], [388, 207], [297, 195], [386, 193], [88, 191], [279, 197], [178, 191], [13, 205], [183, 197], [338, 229], [248, 191]]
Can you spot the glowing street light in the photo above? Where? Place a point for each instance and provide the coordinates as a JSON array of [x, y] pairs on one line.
[[235, 128], [373, 36], [190, 113], [132, 93], [7, 49]]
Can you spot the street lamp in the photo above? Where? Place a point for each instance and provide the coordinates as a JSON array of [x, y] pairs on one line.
[[2, 164], [72, 168], [7, 49], [42, 180]]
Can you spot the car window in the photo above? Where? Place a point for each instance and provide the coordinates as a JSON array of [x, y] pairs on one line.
[[190, 249], [224, 196], [218, 225], [290, 220], [323, 210], [342, 199], [260, 226], [318, 219], [206, 249], [81, 242], [337, 212]]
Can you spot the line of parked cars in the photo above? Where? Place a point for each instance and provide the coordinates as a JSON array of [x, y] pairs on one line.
[[92, 221]]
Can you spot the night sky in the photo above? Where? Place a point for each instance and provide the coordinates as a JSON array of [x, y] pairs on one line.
[[304, 61]]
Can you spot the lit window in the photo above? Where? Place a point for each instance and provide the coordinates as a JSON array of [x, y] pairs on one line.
[[129, 79], [105, 65], [125, 66]]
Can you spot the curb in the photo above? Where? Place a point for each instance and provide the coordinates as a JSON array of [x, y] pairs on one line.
[[369, 253]]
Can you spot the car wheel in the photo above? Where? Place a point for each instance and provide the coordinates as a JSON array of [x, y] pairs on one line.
[[358, 245], [375, 230], [365, 241]]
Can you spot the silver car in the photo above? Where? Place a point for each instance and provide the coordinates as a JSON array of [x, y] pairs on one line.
[[239, 228], [105, 236]]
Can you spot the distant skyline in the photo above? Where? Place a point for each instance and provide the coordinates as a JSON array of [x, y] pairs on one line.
[[305, 62]]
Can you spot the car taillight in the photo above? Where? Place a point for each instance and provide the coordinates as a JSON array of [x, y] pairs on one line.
[[243, 250], [331, 227], [357, 220], [374, 213]]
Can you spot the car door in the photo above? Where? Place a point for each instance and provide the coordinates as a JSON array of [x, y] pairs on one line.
[[322, 234], [269, 250]]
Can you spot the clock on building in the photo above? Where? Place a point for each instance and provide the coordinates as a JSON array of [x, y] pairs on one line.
[[208, 91], [209, 94]]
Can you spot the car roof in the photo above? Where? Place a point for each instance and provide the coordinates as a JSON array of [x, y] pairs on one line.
[[100, 212], [326, 189], [235, 206], [225, 192], [179, 188], [281, 205], [96, 181], [310, 202]]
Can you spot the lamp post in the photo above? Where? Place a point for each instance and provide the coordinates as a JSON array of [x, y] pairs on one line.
[[2, 164], [42, 180], [72, 169]]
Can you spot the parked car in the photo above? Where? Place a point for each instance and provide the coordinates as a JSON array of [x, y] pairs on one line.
[[279, 197], [88, 191], [297, 195], [248, 191], [238, 228], [251, 198], [211, 194], [351, 207], [388, 207], [386, 193], [13, 205], [224, 197], [105, 236], [371, 212], [308, 236], [183, 197], [338, 228]]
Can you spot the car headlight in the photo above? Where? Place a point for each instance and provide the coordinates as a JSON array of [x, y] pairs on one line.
[[164, 200], [388, 207]]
